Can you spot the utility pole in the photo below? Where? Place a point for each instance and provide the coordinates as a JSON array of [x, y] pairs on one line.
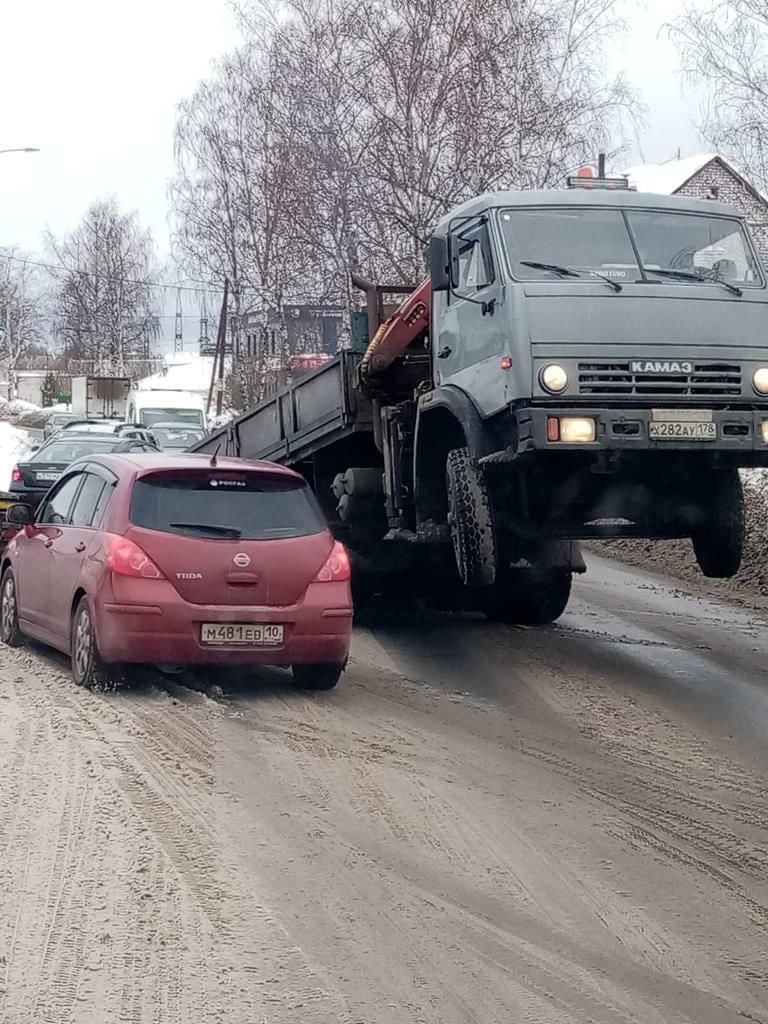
[[601, 165], [217, 372], [178, 337]]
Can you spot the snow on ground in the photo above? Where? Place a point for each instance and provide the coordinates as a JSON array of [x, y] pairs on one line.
[[14, 445]]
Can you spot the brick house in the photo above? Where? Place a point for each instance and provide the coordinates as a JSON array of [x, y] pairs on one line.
[[707, 176]]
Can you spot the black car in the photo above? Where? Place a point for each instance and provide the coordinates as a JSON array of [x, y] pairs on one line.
[[31, 480]]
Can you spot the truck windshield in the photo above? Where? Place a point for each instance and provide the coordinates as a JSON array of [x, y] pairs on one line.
[[589, 240], [193, 417]]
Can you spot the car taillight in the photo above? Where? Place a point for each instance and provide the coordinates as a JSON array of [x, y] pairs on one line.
[[16, 476], [336, 568], [124, 558]]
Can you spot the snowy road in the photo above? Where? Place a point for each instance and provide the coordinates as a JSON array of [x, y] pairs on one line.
[[482, 824]]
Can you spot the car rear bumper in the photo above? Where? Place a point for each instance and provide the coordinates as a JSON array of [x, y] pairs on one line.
[[317, 630]]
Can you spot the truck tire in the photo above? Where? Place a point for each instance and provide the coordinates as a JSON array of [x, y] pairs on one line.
[[528, 597], [718, 542], [470, 520]]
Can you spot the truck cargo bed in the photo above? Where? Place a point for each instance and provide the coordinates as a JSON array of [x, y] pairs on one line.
[[316, 410]]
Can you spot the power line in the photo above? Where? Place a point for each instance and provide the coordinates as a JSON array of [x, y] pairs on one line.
[[204, 286]]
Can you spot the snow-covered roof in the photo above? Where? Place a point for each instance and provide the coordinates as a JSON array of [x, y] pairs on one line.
[[668, 178], [665, 179], [183, 372]]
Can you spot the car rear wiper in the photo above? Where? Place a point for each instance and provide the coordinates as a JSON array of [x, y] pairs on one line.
[[220, 531], [555, 268], [688, 275]]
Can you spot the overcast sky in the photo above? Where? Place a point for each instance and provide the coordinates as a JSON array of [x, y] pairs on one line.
[[95, 83]]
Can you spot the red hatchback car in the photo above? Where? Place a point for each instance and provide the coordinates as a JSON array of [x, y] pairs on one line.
[[183, 560]]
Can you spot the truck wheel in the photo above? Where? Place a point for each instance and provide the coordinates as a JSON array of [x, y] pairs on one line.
[[718, 541], [317, 677], [528, 597], [470, 520]]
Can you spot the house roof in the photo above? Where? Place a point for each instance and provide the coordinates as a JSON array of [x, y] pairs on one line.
[[665, 179], [668, 178]]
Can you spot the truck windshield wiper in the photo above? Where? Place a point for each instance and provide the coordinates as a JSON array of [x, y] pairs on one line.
[[688, 275], [555, 268], [220, 531]]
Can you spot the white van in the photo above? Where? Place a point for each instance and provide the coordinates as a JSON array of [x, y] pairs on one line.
[[156, 406]]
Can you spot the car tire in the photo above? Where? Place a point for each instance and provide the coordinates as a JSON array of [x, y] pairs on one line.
[[529, 597], [470, 520], [718, 541], [10, 633], [317, 677], [88, 669]]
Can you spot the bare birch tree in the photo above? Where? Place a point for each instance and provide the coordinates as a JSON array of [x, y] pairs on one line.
[[343, 129], [725, 47], [105, 297], [22, 312]]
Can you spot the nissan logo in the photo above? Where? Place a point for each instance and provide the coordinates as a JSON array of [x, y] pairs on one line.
[[241, 560]]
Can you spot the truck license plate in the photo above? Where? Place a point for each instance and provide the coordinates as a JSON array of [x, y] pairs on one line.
[[682, 431], [221, 634], [682, 425]]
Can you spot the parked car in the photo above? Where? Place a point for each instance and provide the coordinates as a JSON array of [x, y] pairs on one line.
[[108, 426], [176, 436], [81, 426], [34, 477], [55, 422], [179, 559]]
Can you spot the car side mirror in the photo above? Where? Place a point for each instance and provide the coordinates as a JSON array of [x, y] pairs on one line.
[[439, 275], [19, 514], [35, 447]]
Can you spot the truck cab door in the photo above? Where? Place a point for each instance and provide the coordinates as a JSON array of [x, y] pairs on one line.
[[469, 337]]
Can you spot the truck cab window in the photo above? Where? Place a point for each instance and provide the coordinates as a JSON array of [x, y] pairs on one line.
[[471, 263]]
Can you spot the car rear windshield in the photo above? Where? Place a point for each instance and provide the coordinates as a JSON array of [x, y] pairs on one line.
[[191, 416], [226, 506], [68, 451]]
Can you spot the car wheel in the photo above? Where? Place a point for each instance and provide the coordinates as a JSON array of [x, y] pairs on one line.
[[88, 670], [9, 612], [317, 677]]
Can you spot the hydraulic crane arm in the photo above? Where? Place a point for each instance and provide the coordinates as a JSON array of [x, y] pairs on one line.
[[394, 336]]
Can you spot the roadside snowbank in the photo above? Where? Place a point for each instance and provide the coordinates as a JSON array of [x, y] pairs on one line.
[[675, 557], [14, 445]]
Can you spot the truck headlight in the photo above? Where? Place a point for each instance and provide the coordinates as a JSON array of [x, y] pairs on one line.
[[577, 429], [760, 380], [554, 379]]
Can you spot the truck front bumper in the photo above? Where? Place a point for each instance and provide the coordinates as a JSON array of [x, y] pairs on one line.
[[737, 431]]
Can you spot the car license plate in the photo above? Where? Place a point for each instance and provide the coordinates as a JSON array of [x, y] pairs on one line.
[[47, 477], [222, 634], [682, 425]]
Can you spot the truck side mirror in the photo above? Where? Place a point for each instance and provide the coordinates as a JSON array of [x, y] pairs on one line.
[[438, 264]]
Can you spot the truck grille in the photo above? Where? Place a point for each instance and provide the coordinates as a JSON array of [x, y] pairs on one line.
[[616, 378]]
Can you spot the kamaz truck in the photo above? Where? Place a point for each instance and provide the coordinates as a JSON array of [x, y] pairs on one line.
[[584, 363]]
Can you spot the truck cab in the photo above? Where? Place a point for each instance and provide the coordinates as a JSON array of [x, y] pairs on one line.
[[603, 355]]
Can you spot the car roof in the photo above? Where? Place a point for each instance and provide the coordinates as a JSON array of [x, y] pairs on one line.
[[148, 462]]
